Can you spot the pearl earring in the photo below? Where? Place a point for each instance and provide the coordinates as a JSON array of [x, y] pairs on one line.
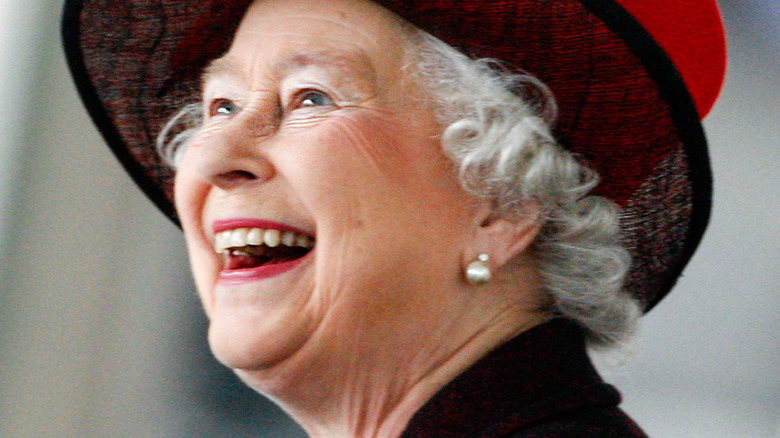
[[477, 272]]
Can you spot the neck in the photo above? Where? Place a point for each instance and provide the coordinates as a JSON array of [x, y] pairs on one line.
[[377, 395]]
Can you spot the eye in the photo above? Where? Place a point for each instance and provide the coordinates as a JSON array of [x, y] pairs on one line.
[[312, 98], [222, 107]]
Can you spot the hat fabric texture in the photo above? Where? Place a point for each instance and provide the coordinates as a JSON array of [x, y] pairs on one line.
[[632, 79]]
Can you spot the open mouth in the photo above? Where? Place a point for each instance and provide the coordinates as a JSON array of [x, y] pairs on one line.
[[252, 248]]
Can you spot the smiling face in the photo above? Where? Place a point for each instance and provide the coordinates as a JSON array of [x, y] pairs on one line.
[[314, 131]]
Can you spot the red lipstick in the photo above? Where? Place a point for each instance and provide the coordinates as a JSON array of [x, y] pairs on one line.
[[235, 223], [269, 262], [248, 275]]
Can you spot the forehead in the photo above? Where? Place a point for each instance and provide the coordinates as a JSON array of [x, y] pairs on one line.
[[351, 12], [355, 62], [293, 34]]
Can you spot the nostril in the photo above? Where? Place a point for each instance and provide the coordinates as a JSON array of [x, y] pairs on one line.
[[229, 165], [237, 176]]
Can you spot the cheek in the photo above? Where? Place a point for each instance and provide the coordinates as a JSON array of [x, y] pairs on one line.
[[336, 167], [381, 148], [379, 191], [363, 167], [367, 153], [189, 199], [191, 193], [396, 165]]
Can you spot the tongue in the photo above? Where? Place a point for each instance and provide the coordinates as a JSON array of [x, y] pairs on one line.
[[246, 261], [262, 256]]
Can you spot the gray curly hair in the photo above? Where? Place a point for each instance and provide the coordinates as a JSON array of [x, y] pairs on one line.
[[497, 131]]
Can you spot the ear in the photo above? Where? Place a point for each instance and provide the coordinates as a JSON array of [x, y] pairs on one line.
[[504, 238]]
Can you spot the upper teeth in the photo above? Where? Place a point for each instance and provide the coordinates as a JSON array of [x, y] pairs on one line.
[[242, 237]]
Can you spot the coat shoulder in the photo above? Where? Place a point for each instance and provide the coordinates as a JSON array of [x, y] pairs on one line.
[[607, 422]]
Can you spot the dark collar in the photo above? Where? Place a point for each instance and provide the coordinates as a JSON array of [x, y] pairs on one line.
[[541, 373]]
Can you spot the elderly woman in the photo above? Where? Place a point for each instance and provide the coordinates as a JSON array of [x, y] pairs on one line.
[[392, 239]]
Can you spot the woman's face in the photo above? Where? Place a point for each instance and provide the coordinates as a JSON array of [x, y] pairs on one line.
[[313, 126]]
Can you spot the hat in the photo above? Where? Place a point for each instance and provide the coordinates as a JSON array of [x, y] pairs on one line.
[[632, 79]]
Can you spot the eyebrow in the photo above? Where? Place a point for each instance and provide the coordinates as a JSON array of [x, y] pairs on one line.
[[353, 63], [220, 67], [346, 62]]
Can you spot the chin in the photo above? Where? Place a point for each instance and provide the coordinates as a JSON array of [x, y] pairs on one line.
[[248, 344], [257, 323]]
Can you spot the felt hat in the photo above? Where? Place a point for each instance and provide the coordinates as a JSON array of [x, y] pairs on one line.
[[632, 78]]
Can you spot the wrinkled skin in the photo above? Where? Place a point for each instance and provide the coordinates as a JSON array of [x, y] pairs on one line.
[[312, 121]]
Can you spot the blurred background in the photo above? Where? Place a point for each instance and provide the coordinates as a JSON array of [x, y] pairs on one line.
[[101, 333]]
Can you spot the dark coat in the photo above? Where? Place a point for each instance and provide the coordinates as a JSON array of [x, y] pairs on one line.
[[540, 384]]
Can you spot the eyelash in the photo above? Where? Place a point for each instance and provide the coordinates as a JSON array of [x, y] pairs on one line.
[[300, 98], [227, 107], [218, 105]]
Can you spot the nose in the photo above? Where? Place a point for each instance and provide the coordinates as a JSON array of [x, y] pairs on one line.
[[232, 154]]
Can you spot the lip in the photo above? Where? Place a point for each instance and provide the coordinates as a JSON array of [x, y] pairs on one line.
[[248, 275], [229, 277], [235, 223]]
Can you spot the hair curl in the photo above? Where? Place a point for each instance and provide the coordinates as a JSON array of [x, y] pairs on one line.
[[497, 130], [177, 133]]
